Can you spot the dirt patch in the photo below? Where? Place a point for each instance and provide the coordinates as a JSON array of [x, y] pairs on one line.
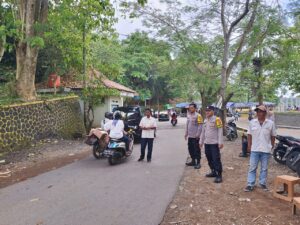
[[199, 201], [47, 155]]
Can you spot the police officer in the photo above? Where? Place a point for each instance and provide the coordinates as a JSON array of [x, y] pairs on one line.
[[212, 138], [192, 133]]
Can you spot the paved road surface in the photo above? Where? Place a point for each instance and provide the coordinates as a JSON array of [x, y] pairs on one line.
[[90, 192]]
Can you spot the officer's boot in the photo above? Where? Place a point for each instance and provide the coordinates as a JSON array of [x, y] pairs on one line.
[[192, 163], [197, 165], [218, 178], [211, 174]]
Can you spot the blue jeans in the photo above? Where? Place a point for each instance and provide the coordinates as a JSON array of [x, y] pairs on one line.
[[255, 158]]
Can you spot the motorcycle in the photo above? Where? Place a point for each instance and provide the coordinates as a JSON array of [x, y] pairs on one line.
[[281, 149], [116, 149], [293, 157], [174, 121], [231, 130], [99, 139]]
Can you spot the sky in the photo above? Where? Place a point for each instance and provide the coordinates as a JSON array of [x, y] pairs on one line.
[[127, 26]]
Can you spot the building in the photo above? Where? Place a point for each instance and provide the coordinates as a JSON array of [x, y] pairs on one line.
[[70, 83]]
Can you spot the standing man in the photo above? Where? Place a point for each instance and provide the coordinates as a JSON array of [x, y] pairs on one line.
[[261, 140], [192, 133], [148, 126], [212, 138]]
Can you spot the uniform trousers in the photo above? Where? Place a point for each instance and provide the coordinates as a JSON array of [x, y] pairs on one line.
[[213, 156]]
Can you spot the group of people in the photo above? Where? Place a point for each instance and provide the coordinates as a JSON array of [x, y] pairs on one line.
[[208, 133], [116, 128]]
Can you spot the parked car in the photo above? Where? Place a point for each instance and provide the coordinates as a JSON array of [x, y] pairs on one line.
[[163, 116], [132, 116]]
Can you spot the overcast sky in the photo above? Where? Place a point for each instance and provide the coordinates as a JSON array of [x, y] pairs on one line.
[[127, 26]]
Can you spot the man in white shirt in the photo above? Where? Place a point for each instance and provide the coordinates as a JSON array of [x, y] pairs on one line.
[[148, 126], [261, 140]]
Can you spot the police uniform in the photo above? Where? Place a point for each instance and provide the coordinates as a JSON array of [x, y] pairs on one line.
[[193, 132], [212, 137]]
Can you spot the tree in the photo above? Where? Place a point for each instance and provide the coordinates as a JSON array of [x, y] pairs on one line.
[[188, 43], [28, 17]]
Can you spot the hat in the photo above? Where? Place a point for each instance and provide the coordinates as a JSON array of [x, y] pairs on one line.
[[210, 108], [261, 107]]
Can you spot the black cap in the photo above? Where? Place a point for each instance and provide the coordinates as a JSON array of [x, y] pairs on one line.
[[210, 108]]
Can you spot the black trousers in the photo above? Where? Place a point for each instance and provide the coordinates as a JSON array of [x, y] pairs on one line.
[[144, 143], [194, 149], [213, 156]]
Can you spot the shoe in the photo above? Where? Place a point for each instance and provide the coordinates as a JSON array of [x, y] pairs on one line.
[[218, 179], [249, 188], [197, 166], [243, 155], [211, 174], [140, 159], [264, 187], [148, 160], [192, 163]]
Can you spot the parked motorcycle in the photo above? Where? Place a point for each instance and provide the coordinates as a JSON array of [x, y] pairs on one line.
[[281, 149], [99, 139], [293, 157], [116, 149], [231, 130]]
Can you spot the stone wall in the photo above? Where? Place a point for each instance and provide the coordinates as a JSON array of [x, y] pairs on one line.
[[290, 119], [23, 123]]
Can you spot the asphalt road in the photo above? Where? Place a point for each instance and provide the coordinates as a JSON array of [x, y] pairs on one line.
[[90, 192]]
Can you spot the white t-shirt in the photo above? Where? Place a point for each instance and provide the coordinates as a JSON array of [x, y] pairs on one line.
[[261, 135], [116, 131], [148, 122]]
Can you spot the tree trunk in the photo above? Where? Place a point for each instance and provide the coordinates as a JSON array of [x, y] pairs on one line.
[[25, 75], [2, 46], [29, 13], [204, 104]]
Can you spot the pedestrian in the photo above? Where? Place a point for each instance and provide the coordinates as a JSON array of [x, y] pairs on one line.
[[250, 115], [148, 126], [261, 140], [212, 139], [192, 134]]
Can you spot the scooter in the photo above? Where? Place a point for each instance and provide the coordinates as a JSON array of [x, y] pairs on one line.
[[99, 139], [231, 130], [281, 149], [116, 149]]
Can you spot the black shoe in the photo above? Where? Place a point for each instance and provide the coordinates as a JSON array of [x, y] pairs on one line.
[[140, 159], [264, 187], [248, 188], [197, 166], [211, 174], [148, 160], [192, 163], [218, 179], [243, 155]]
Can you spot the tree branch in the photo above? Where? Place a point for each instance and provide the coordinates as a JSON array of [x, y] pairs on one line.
[[235, 22]]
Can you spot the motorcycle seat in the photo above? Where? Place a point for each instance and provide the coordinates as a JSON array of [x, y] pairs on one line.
[[293, 139], [115, 140]]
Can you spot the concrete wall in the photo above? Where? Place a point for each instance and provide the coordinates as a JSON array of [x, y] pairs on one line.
[[21, 124], [291, 119], [109, 104]]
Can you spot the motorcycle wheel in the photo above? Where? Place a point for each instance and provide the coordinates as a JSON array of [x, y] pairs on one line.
[[290, 159], [278, 154], [112, 161], [97, 151]]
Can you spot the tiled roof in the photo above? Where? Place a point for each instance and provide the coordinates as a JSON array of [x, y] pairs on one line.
[[70, 81]]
